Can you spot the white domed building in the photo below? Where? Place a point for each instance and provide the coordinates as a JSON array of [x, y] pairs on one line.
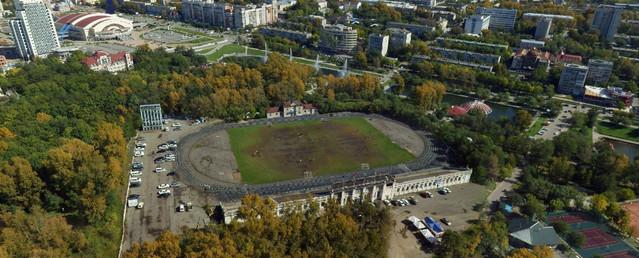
[[93, 26]]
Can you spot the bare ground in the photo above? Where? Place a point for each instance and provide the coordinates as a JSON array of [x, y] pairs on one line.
[[399, 134], [212, 157]]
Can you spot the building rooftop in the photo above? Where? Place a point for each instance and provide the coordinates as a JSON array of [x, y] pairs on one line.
[[533, 233]]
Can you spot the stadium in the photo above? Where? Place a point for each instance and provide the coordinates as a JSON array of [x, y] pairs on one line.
[[341, 156], [93, 26]]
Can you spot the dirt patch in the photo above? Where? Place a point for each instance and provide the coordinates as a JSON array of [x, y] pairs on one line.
[[211, 156], [399, 134]]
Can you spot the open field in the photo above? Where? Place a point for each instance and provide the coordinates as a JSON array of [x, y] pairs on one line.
[[623, 132], [537, 125], [230, 49], [286, 151]]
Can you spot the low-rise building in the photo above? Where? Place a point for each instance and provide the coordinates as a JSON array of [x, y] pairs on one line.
[[529, 43], [413, 28], [467, 56], [610, 96], [525, 233], [564, 58], [103, 61], [298, 36], [378, 43], [290, 109], [530, 59]]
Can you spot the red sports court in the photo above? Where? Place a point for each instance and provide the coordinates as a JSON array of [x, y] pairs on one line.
[[596, 237], [568, 218]]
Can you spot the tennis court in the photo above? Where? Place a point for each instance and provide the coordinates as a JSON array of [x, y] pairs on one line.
[[622, 254], [633, 211], [599, 238], [596, 237], [568, 218]]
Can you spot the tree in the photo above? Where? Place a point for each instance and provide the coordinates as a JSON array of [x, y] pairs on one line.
[[453, 244], [599, 203], [560, 170], [575, 238], [621, 118], [19, 184], [536, 252], [429, 94], [534, 208], [561, 227], [523, 119]]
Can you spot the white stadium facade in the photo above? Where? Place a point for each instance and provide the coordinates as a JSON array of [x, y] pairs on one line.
[[93, 26]]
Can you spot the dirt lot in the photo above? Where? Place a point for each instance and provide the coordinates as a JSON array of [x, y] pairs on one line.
[[399, 134], [212, 156], [159, 214], [456, 206]]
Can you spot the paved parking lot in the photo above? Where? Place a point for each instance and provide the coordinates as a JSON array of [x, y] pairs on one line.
[[456, 206], [159, 214], [561, 123]]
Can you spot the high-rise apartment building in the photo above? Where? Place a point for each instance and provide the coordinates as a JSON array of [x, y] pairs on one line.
[[338, 38], [378, 43], [573, 79], [476, 23], [500, 18], [543, 28], [229, 16], [606, 20], [33, 29], [599, 71], [399, 38]]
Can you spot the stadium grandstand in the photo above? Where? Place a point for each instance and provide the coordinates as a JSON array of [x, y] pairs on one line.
[[93, 26]]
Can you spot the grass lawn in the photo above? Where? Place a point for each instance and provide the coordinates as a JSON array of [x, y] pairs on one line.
[[232, 48], [285, 151], [623, 132], [539, 122]]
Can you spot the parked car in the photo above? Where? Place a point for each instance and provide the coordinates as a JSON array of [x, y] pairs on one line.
[[140, 144], [160, 170], [137, 165], [163, 186], [181, 208], [140, 205], [138, 154], [164, 192], [135, 173], [386, 202], [158, 160], [163, 146], [446, 221], [169, 159], [176, 184], [176, 125], [135, 181]]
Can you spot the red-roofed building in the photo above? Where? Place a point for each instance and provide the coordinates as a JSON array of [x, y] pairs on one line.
[[103, 61], [289, 109], [94, 26], [273, 112], [567, 58]]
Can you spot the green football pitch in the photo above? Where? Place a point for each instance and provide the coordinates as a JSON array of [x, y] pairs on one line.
[[311, 148]]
